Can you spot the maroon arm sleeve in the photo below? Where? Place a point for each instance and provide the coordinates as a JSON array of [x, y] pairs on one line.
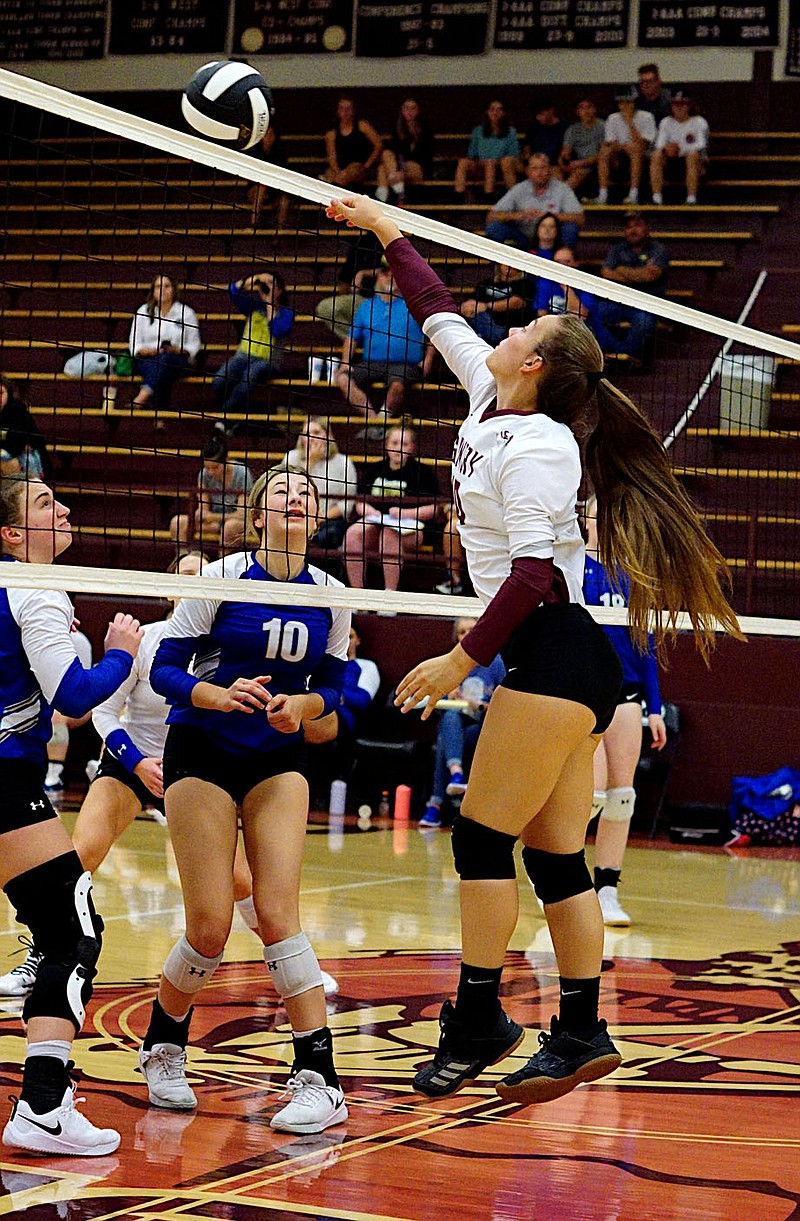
[[530, 583], [422, 290]]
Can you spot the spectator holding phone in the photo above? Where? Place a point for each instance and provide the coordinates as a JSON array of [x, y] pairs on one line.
[[262, 299], [164, 342]]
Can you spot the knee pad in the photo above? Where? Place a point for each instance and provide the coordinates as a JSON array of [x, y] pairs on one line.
[[619, 805], [60, 734], [293, 966], [480, 853], [599, 797], [557, 875], [187, 970], [54, 899]]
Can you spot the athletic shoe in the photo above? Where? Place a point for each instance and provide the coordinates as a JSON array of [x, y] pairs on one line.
[[164, 1069], [329, 985], [451, 586], [613, 913], [91, 769], [64, 1130], [53, 781], [563, 1061], [431, 819], [461, 1056], [456, 785], [153, 814], [314, 1105], [20, 979]]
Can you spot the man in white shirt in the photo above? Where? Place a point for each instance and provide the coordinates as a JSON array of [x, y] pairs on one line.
[[630, 135], [513, 219], [683, 134]]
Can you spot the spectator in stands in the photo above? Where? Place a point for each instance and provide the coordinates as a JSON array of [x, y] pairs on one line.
[[630, 135], [393, 350], [545, 133], [514, 218], [164, 342], [223, 486], [554, 297], [582, 143], [262, 298], [453, 554], [355, 283], [22, 446], [500, 302], [269, 149], [352, 146], [408, 158], [651, 92], [334, 475], [392, 529], [493, 146], [361, 684], [458, 731], [683, 135], [546, 236], [642, 263]]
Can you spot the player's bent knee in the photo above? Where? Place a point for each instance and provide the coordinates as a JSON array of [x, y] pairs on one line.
[[481, 853], [186, 969], [293, 966], [619, 805], [557, 876]]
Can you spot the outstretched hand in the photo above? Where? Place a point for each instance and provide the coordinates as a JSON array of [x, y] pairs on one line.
[[432, 679], [361, 212]]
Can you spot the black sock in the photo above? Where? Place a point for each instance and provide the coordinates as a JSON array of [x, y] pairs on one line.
[[478, 998], [44, 1083], [315, 1051], [166, 1029], [578, 1004], [606, 877]]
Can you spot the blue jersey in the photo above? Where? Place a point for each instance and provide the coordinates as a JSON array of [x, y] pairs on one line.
[[40, 670], [303, 648], [637, 667]]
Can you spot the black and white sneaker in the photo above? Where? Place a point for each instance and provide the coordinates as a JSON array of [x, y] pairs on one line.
[[563, 1061], [64, 1131], [20, 979], [461, 1057]]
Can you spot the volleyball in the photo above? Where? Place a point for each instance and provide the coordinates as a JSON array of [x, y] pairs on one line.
[[228, 102]]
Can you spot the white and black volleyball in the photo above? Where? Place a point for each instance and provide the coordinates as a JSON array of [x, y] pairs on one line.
[[228, 102]]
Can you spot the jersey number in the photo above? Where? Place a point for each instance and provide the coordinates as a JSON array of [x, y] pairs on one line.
[[285, 639], [612, 600], [457, 505]]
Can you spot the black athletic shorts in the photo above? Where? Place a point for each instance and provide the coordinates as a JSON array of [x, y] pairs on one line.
[[559, 650], [114, 770], [190, 752], [23, 801], [631, 693]]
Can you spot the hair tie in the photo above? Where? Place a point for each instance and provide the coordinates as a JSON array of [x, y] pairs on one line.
[[594, 379]]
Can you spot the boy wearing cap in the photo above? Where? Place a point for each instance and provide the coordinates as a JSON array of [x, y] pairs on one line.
[[684, 134], [630, 134]]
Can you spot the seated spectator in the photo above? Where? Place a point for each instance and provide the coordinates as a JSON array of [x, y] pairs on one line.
[[355, 278], [642, 263], [340, 728], [500, 302], [393, 350], [269, 149], [514, 218], [459, 730], [546, 236], [553, 297], [262, 298], [164, 342], [408, 158], [333, 473], [582, 143], [630, 135], [223, 486], [22, 446], [493, 146], [454, 555], [352, 147], [652, 94], [394, 532], [683, 135], [545, 132]]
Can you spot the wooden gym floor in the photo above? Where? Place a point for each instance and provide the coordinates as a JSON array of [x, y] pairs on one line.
[[702, 995]]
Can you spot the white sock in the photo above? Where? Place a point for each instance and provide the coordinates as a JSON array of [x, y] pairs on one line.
[[54, 771], [382, 194], [633, 194], [691, 199], [602, 195], [247, 910], [59, 1049], [658, 198]]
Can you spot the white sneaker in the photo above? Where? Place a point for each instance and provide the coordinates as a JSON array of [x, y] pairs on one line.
[[329, 985], [314, 1105], [153, 814], [64, 1130], [20, 979], [53, 782], [613, 913], [164, 1069]]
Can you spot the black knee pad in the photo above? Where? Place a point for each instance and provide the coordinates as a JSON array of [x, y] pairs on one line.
[[481, 853], [54, 899], [557, 875]]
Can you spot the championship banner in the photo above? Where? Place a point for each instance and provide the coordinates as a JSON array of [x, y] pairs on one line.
[[147, 27], [385, 28], [533, 25], [701, 25], [302, 27], [52, 29]]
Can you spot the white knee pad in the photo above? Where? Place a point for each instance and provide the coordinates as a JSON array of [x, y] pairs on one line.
[[60, 734], [293, 966], [598, 802], [187, 970], [619, 805]]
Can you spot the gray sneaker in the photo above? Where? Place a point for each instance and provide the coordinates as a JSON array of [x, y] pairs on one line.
[[164, 1069]]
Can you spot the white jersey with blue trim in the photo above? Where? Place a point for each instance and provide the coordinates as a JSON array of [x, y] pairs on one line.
[[230, 640], [135, 706], [515, 474]]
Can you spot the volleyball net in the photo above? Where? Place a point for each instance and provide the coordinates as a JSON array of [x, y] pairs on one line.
[[101, 206]]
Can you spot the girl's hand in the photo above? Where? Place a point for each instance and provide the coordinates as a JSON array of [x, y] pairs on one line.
[[658, 731], [357, 210], [286, 712], [151, 774], [243, 695], [433, 678], [124, 633]]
